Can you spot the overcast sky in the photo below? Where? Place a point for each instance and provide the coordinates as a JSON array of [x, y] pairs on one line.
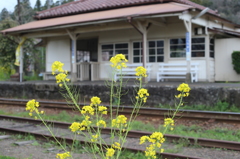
[[10, 4]]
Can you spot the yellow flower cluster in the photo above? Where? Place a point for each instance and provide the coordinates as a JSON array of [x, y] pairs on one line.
[[101, 122], [156, 140], [142, 94], [116, 145], [63, 155], [120, 121], [87, 109], [80, 126], [169, 121], [32, 106], [57, 67], [141, 71], [184, 89], [110, 152], [94, 138], [95, 101], [62, 76], [119, 61], [102, 109]]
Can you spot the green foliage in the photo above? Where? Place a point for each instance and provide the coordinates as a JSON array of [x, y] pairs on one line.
[[236, 61], [7, 157]]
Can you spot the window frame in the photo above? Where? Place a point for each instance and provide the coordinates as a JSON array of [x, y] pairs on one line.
[[114, 50], [184, 49], [148, 51]]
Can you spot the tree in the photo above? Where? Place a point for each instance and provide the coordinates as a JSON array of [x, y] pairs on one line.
[[23, 12], [4, 14], [8, 45], [38, 6]]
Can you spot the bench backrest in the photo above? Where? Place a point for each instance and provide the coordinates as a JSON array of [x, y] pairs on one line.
[[179, 67]]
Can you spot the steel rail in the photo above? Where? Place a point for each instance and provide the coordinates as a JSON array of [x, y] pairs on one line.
[[226, 117], [230, 145], [70, 141]]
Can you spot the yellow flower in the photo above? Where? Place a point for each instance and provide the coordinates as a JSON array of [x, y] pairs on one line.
[[57, 66], [116, 145], [110, 152], [32, 105], [63, 155], [101, 122], [184, 89], [95, 101], [75, 126], [61, 77], [143, 139], [157, 137], [120, 121], [94, 138], [142, 94], [168, 121], [102, 109], [141, 71], [87, 109], [118, 61]]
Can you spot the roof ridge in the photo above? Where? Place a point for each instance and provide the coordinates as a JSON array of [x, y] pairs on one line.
[[83, 6]]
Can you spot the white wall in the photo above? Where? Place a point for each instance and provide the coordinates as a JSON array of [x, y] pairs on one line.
[[58, 49], [155, 33], [223, 60]]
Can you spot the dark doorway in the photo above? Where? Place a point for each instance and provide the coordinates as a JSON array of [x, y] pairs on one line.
[[87, 50]]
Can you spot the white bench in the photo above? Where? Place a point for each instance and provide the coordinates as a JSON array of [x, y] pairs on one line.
[[130, 71], [50, 76], [177, 71]]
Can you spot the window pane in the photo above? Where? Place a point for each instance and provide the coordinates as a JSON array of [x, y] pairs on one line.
[[159, 43], [212, 54], [159, 51], [160, 59], [198, 40], [106, 56], [198, 47], [151, 51], [110, 46], [136, 59], [120, 46], [212, 47], [178, 41], [121, 51], [152, 58], [198, 54], [178, 54], [151, 44], [178, 48], [136, 45], [136, 52]]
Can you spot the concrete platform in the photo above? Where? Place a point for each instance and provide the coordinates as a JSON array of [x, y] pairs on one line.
[[160, 92]]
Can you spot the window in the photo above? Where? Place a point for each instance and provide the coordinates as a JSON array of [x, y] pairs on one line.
[[198, 47], [178, 47], [137, 52], [155, 51], [110, 50], [211, 48]]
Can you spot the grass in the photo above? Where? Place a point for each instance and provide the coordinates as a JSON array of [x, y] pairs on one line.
[[219, 106], [188, 131], [6, 157]]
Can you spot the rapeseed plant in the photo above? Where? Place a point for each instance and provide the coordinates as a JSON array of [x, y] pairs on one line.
[[94, 115]]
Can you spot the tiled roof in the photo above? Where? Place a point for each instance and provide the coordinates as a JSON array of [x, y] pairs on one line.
[[83, 6]]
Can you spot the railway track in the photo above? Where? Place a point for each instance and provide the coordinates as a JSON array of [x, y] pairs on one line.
[[230, 145], [226, 117]]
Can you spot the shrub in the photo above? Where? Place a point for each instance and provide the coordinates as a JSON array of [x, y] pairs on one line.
[[236, 61]]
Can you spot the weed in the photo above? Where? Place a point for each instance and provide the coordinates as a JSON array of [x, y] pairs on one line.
[[7, 157]]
